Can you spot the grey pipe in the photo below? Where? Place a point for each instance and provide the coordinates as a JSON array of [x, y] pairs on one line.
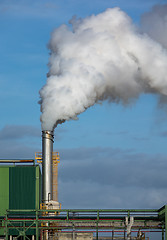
[[47, 175], [17, 161]]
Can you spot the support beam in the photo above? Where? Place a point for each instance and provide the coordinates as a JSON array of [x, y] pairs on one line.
[[165, 222], [98, 220], [37, 230], [124, 234], [97, 231], [162, 232], [24, 231], [112, 234], [6, 226], [73, 232]]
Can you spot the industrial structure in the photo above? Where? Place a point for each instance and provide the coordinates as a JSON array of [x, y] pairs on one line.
[[29, 206]]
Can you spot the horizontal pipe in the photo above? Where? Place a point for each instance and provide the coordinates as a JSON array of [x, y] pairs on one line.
[[17, 160], [85, 210]]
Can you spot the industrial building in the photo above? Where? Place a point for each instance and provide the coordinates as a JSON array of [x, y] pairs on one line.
[[29, 207]]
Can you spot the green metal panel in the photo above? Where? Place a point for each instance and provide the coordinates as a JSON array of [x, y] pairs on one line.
[[22, 180], [20, 188], [4, 192]]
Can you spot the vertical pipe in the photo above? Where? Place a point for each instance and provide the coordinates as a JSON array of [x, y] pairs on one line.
[[24, 232], [112, 234], [47, 175], [124, 233], [36, 222], [163, 232], [73, 232], [6, 226], [97, 232]]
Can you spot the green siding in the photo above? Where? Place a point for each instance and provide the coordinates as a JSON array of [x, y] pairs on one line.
[[4, 190], [22, 187]]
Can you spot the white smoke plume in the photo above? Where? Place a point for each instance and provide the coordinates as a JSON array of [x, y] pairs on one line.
[[101, 57]]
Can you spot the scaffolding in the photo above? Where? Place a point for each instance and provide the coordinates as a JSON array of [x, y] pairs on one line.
[[55, 161], [116, 222]]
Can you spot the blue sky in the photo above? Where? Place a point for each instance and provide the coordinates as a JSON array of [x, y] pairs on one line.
[[114, 154]]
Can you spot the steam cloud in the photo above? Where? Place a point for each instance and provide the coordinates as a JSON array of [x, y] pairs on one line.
[[102, 57]]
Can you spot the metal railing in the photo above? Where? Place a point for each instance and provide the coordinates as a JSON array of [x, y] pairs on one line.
[[36, 222]]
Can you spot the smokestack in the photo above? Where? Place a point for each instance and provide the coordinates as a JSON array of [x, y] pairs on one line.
[[47, 175]]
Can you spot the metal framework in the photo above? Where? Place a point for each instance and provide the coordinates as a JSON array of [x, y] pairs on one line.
[[55, 161], [124, 221]]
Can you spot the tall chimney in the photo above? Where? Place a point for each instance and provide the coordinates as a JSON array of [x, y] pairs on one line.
[[47, 175]]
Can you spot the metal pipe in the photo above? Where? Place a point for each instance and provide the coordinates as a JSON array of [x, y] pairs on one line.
[[17, 161], [47, 175]]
